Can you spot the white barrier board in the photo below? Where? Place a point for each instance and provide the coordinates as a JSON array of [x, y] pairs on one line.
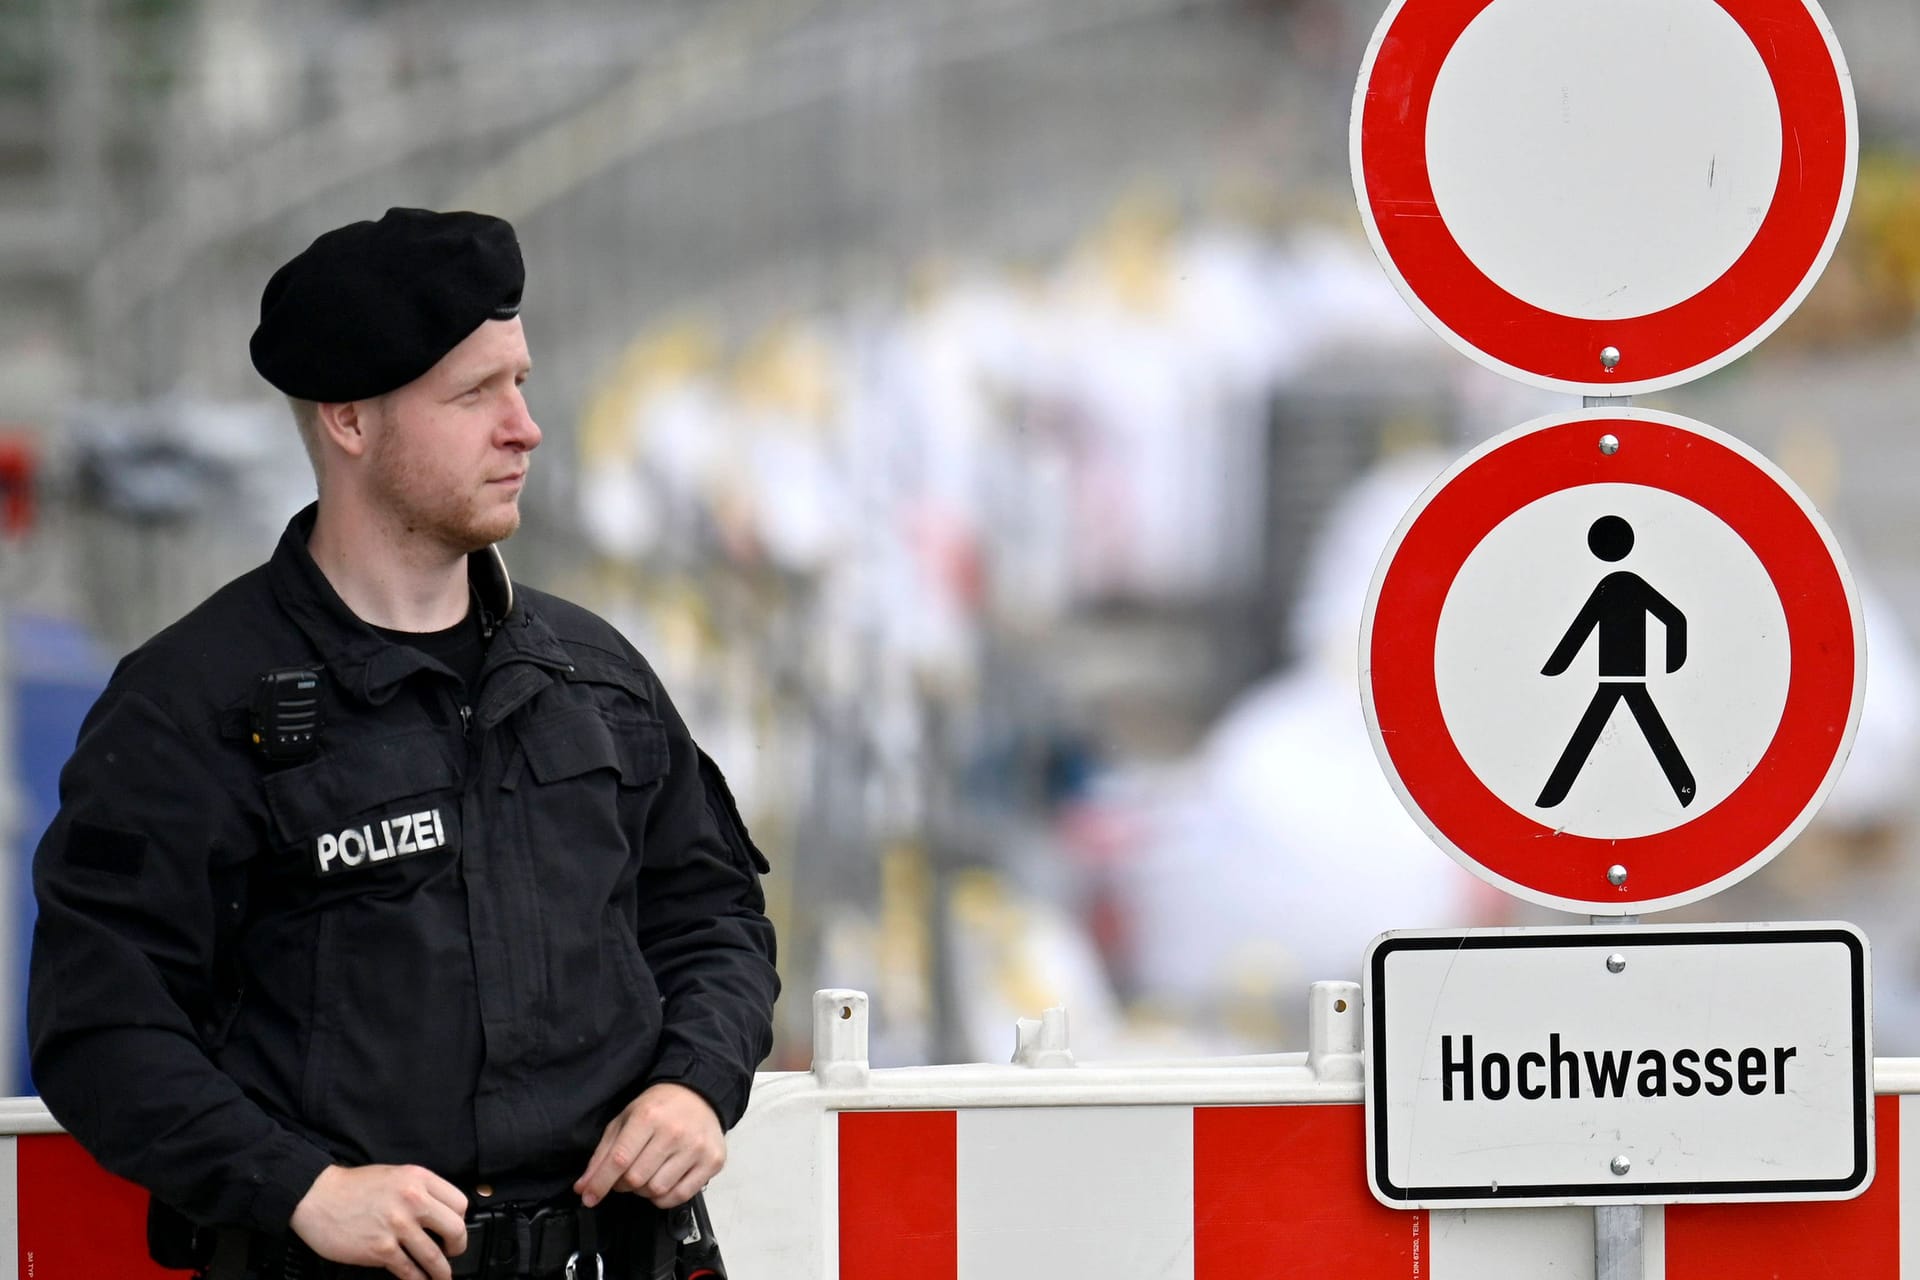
[[1649, 1065]]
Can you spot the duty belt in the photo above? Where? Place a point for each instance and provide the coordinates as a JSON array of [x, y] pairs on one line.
[[506, 1243]]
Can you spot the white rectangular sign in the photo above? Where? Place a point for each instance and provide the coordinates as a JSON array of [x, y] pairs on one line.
[[1650, 1065]]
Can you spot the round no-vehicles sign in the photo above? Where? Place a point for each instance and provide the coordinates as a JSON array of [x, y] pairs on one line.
[[1606, 198], [1612, 661]]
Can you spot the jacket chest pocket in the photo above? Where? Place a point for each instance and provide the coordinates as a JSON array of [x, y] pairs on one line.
[[580, 784], [365, 813]]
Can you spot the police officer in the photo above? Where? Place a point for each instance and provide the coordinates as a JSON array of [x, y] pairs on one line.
[[392, 922]]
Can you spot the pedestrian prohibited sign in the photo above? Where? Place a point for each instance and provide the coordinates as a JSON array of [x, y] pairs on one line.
[[1612, 661]]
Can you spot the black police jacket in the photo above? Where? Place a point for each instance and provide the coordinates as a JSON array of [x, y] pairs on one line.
[[463, 934]]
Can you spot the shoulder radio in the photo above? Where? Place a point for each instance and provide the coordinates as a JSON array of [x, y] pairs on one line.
[[286, 714]]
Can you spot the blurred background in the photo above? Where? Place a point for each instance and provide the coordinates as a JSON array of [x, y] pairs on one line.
[[986, 414]]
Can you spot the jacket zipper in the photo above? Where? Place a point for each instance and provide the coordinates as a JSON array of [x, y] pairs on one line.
[[466, 708]]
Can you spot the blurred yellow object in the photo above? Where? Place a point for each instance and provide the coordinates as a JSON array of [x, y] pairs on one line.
[[1134, 250], [984, 907], [905, 959], [658, 358], [1261, 988], [1806, 452], [1887, 210], [791, 373], [1871, 288], [1410, 432]]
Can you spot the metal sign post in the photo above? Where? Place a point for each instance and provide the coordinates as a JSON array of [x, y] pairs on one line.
[[1618, 1234], [1619, 1230]]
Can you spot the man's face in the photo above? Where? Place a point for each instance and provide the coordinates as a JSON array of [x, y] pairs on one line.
[[448, 456]]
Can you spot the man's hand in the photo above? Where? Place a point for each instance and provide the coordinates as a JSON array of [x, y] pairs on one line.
[[665, 1146], [379, 1216]]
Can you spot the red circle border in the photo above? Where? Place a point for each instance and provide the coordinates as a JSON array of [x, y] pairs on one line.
[[1665, 346], [1735, 836]]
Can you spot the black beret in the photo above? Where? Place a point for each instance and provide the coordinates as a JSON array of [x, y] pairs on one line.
[[371, 306]]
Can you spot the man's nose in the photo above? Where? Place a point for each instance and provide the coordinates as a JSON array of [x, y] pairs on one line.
[[519, 430]]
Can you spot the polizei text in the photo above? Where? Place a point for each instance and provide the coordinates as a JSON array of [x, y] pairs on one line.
[[395, 837]]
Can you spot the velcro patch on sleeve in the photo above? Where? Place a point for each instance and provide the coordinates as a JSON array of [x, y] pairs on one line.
[[109, 849], [728, 814]]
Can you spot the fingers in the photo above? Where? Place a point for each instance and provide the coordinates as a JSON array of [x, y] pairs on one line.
[[447, 1194], [599, 1153], [682, 1191], [585, 1184], [451, 1227], [667, 1135], [629, 1145], [423, 1255], [422, 1206], [655, 1177], [679, 1178], [397, 1262]]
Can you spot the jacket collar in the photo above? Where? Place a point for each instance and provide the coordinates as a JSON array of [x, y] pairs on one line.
[[367, 663]]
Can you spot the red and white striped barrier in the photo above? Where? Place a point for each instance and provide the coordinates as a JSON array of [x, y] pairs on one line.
[[1202, 1170], [62, 1217], [1227, 1193]]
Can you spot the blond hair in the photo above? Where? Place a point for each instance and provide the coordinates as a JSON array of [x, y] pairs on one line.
[[306, 416]]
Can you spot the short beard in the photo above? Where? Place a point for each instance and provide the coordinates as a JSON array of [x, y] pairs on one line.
[[459, 529], [454, 524]]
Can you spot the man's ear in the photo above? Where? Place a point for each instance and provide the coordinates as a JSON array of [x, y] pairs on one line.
[[345, 425]]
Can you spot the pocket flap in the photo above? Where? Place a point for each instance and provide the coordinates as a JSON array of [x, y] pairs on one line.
[[578, 740], [591, 668], [351, 779]]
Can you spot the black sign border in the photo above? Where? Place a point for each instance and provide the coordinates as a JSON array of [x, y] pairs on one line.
[[1853, 1182]]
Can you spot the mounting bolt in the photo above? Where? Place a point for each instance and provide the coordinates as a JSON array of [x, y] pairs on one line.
[[1616, 875], [1616, 962], [1609, 358], [1609, 444], [1620, 1166]]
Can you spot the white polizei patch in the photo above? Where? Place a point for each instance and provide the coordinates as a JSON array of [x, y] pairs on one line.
[[1075, 1191], [9, 1209], [399, 836], [1604, 161], [1517, 596]]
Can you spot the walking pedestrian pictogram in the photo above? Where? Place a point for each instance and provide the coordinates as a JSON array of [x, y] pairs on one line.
[[1641, 558], [1618, 610]]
